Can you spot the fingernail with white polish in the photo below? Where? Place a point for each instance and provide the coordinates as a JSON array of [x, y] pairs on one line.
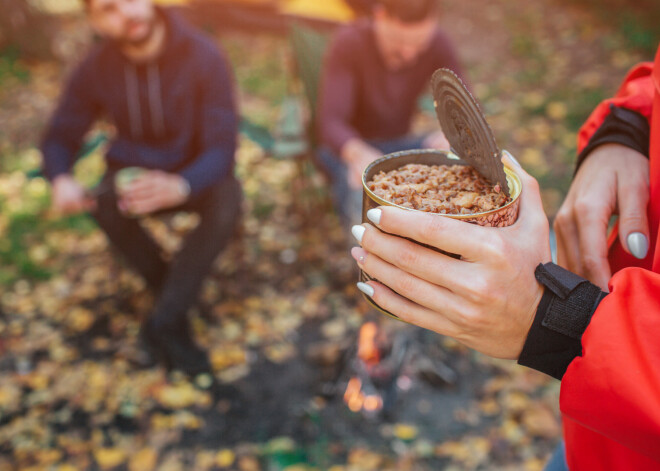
[[513, 159], [638, 245], [358, 232], [374, 215], [359, 254], [366, 289]]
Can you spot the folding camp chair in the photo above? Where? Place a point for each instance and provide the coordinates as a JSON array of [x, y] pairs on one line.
[[295, 136]]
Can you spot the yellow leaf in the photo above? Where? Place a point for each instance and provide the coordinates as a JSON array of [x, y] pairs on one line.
[[80, 319], [248, 463], [534, 464], [456, 450], [541, 422], [205, 460], [225, 458], [532, 157], [516, 401], [177, 396], [225, 357], [143, 460], [108, 458], [533, 99], [556, 110], [405, 432], [234, 373], [49, 456], [365, 460], [66, 467], [10, 395], [489, 406], [280, 353]]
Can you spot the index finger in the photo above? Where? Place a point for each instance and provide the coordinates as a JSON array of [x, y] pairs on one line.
[[592, 234], [442, 232]]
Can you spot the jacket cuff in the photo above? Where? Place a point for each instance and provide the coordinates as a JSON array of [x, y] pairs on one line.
[[621, 126], [562, 316]]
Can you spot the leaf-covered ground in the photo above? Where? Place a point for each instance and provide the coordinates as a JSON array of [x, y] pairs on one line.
[[279, 295]]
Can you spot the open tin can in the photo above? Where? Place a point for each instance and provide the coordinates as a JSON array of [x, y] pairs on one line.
[[499, 217], [123, 179], [472, 144]]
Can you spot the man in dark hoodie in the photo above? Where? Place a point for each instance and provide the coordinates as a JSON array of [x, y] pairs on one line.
[[168, 91]]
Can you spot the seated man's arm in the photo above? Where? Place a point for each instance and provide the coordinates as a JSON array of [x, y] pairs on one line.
[[219, 129], [74, 115], [336, 106]]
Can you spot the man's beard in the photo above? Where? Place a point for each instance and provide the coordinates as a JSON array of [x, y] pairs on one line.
[[136, 43]]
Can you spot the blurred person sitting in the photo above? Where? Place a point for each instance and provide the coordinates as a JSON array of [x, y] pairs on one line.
[[168, 92], [374, 72]]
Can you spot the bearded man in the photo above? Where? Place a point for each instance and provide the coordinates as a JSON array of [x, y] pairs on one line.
[[168, 92]]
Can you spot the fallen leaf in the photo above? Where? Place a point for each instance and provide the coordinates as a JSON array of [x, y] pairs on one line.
[[143, 460], [108, 458], [225, 458]]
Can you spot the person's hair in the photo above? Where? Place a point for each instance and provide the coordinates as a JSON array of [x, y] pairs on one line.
[[410, 11]]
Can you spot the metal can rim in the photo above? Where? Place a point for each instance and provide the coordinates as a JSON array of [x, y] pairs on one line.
[[515, 185]]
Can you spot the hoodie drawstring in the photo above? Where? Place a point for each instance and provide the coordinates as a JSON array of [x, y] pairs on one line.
[[133, 100], [155, 100]]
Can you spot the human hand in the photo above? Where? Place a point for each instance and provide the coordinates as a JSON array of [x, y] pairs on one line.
[[357, 155], [614, 179], [436, 140], [69, 196], [487, 299], [153, 190]]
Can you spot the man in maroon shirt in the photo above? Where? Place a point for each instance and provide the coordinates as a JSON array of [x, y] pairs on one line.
[[374, 72]]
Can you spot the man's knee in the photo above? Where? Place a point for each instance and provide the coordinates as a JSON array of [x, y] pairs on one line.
[[106, 208], [223, 203]]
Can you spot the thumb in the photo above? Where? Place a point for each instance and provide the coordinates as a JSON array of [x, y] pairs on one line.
[[633, 222], [531, 205]]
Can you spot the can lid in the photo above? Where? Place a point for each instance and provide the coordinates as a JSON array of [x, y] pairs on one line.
[[466, 127]]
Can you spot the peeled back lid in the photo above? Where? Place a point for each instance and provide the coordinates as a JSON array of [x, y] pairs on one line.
[[466, 128]]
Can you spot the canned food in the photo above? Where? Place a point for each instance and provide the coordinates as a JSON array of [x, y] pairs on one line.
[[502, 216], [123, 178]]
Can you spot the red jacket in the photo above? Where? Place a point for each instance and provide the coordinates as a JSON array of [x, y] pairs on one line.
[[610, 396]]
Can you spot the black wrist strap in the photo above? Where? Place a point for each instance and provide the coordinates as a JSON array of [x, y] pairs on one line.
[[621, 126], [562, 316]]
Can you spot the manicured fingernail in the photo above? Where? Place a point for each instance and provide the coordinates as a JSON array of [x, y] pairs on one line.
[[638, 245], [366, 289], [359, 254], [358, 232], [374, 215], [513, 159]]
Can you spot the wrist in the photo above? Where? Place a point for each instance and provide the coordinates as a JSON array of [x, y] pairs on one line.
[[562, 316], [621, 126], [353, 149]]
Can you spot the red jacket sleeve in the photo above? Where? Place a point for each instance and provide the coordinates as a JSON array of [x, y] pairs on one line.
[[614, 387], [635, 94]]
